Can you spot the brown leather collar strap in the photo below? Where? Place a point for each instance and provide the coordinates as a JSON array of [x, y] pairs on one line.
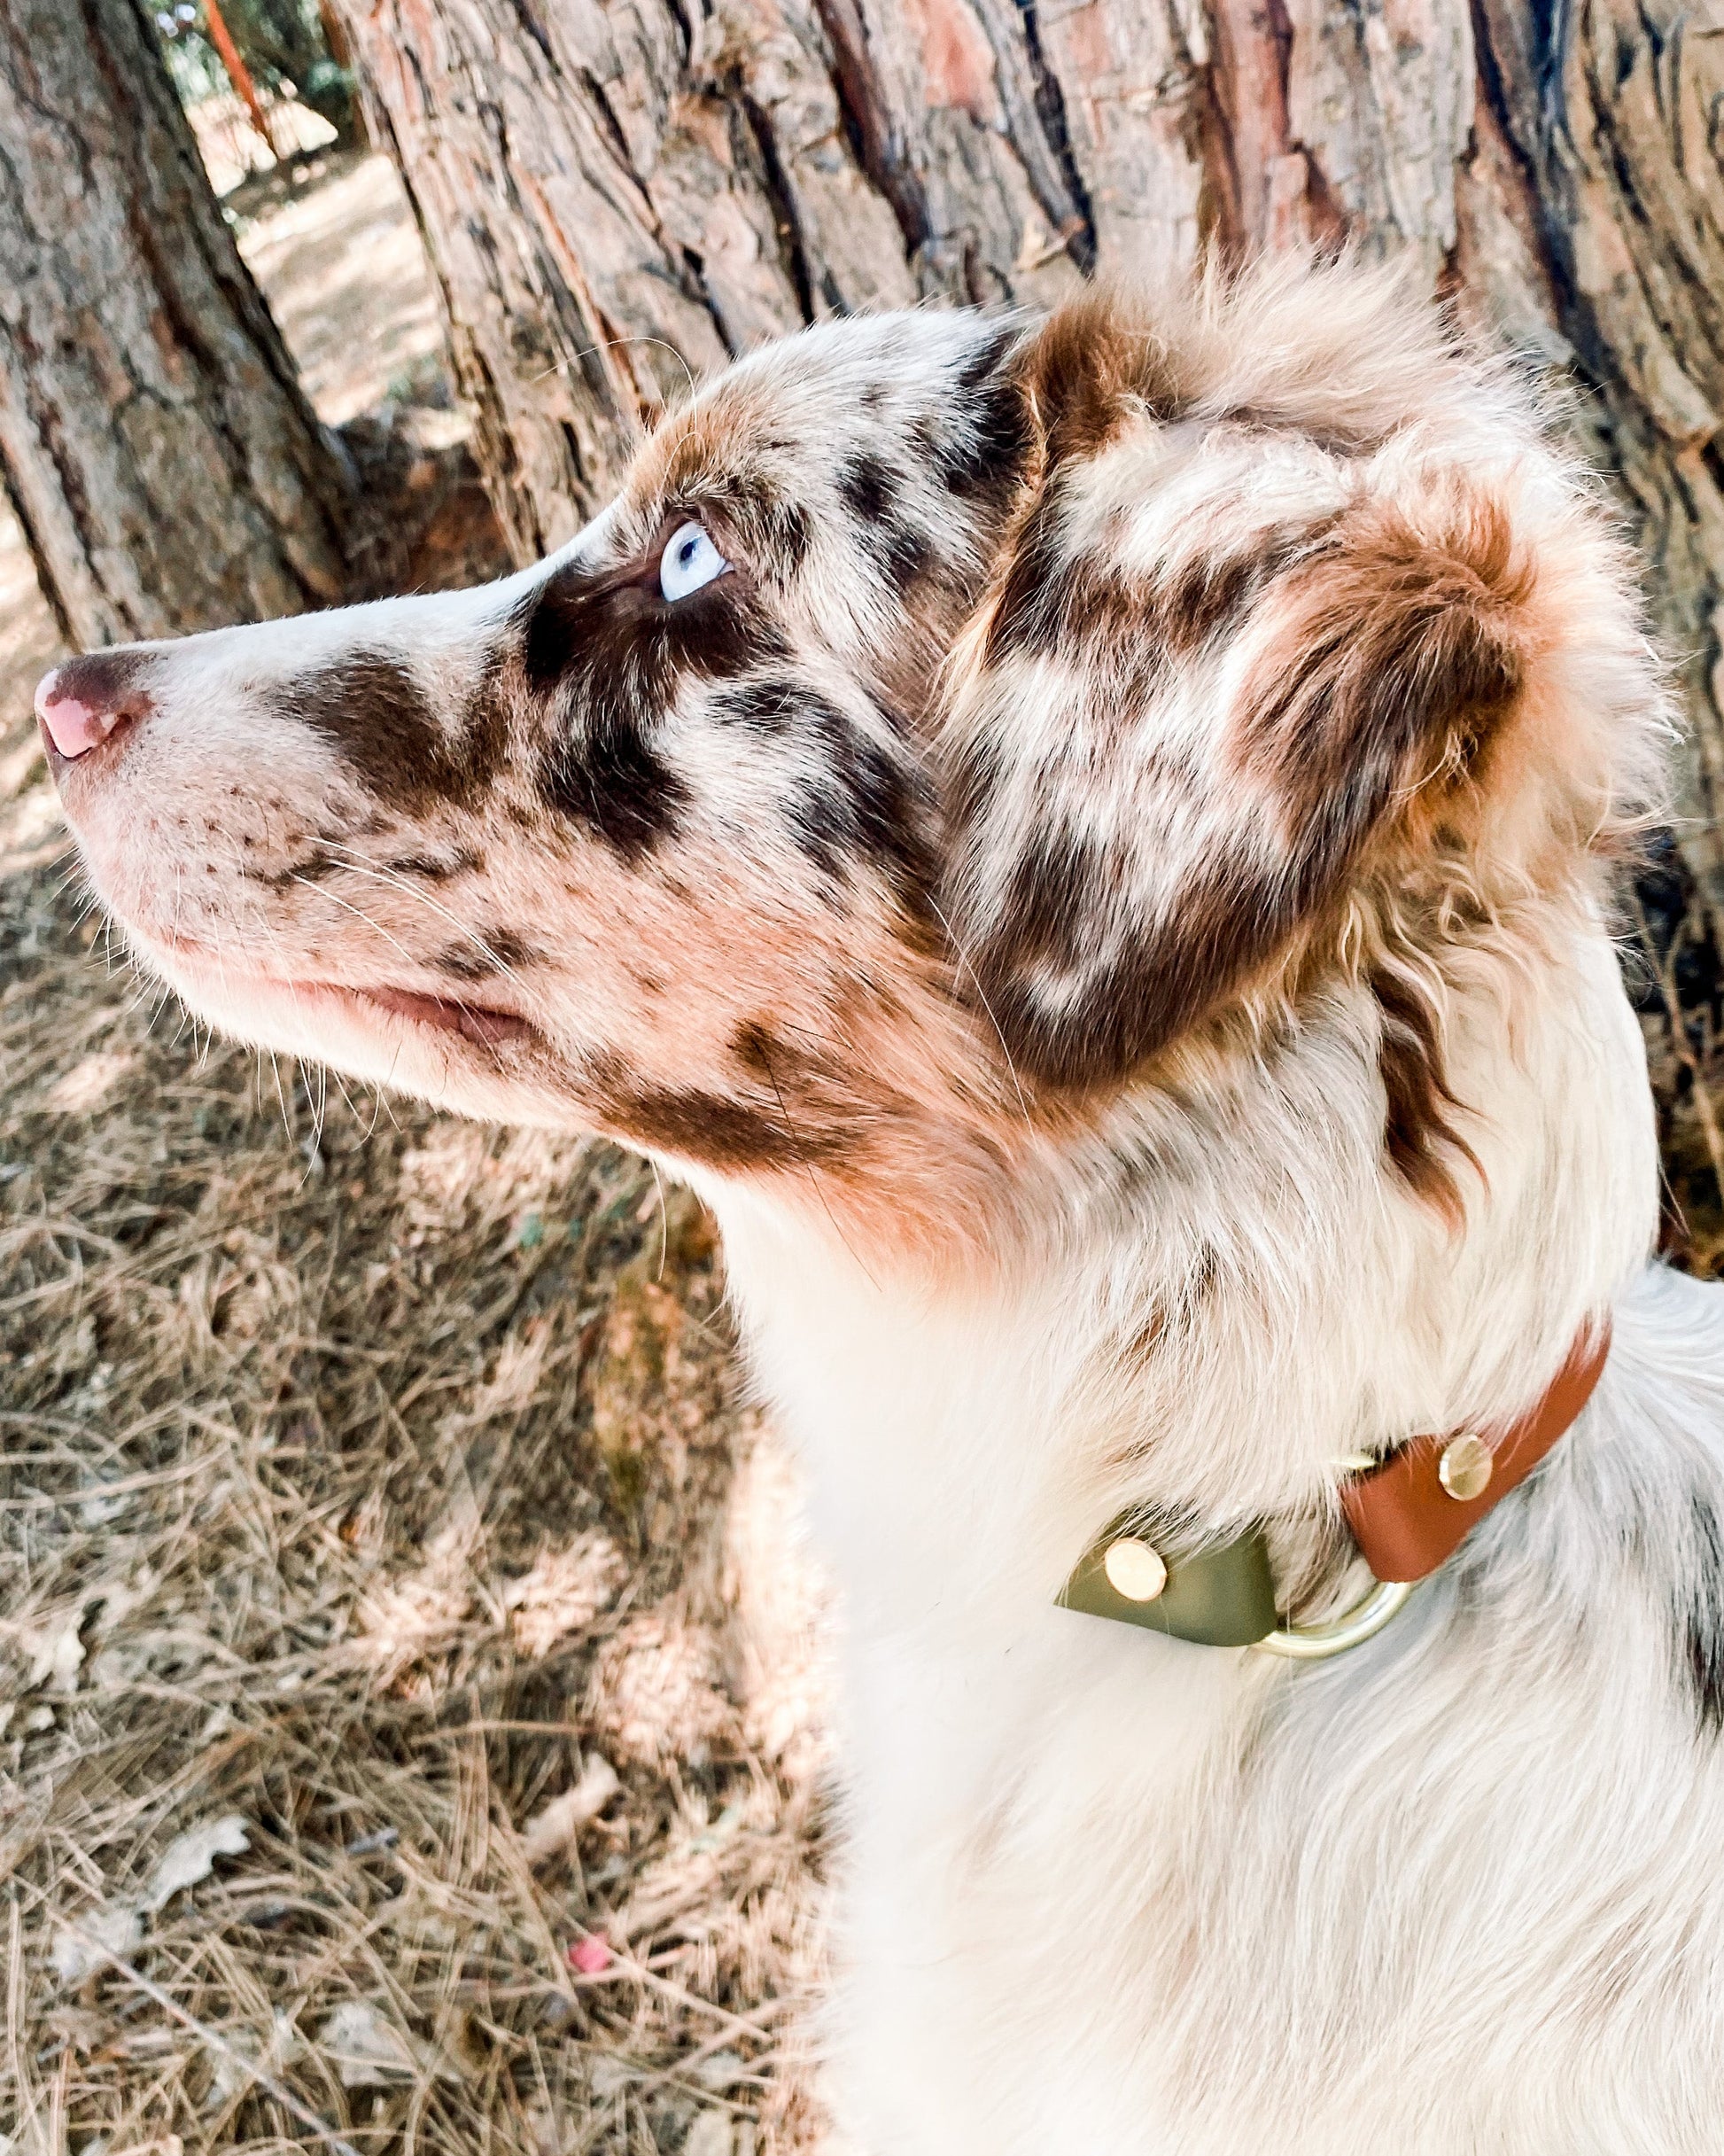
[[1411, 1513]]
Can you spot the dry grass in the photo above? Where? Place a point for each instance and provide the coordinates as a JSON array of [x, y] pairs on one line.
[[396, 1593], [371, 1479], [399, 1602]]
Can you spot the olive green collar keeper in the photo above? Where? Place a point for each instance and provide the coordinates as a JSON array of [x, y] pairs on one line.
[[1221, 1596], [1408, 1514]]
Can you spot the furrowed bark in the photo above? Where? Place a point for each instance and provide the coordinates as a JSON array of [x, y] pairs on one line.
[[154, 442], [610, 197]]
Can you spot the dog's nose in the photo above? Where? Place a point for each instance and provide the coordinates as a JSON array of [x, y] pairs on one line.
[[83, 702]]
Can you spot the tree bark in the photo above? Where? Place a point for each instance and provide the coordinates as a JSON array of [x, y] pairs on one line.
[[609, 195], [154, 442]]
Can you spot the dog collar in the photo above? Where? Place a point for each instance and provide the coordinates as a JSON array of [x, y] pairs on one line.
[[1406, 1515]]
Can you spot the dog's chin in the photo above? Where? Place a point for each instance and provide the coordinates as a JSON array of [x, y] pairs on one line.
[[475, 1059]]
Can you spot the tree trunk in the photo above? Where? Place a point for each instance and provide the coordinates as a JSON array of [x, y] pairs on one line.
[[154, 442], [586, 178]]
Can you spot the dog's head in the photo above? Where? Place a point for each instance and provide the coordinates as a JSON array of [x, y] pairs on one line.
[[956, 726]]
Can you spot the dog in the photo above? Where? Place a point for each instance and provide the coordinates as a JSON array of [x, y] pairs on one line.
[[1091, 841]]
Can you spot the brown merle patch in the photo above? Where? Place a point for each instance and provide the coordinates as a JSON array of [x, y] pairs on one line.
[[767, 706], [483, 957], [1418, 1131], [1391, 644], [312, 868], [1116, 1005], [436, 868], [853, 800], [1094, 366], [372, 712], [608, 654], [1389, 659], [613, 782], [1699, 1617], [854, 803], [983, 440], [872, 492], [869, 486], [720, 1129]]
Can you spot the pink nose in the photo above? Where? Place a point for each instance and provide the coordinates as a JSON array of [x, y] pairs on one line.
[[81, 702], [72, 726]]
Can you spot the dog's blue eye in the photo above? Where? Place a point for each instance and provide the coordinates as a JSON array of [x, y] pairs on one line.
[[689, 561]]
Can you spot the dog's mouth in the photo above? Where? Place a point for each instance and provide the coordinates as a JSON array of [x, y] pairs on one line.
[[490, 1027], [487, 1025]]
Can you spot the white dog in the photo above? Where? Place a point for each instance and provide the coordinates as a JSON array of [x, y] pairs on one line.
[[1090, 843]]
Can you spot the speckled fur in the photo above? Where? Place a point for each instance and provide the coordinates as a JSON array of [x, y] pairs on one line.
[[1109, 901]]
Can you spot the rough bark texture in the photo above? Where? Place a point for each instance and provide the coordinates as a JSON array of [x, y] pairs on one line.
[[154, 438], [587, 175]]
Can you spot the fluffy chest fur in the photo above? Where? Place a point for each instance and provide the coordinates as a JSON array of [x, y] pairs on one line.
[[1106, 1889], [1459, 1891]]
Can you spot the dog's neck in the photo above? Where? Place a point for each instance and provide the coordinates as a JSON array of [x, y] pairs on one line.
[[1218, 1312]]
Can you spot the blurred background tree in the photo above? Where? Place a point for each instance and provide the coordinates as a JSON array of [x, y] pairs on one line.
[[144, 389], [294, 49]]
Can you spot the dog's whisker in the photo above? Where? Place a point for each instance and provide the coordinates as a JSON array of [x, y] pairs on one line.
[[280, 1097], [357, 866], [663, 1219], [341, 1087], [982, 996], [359, 914], [808, 1166], [614, 344]]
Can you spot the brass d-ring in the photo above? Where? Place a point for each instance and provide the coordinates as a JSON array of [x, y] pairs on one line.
[[1351, 1628]]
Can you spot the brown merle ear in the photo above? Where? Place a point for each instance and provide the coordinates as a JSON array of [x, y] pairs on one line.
[[1091, 368], [1175, 756]]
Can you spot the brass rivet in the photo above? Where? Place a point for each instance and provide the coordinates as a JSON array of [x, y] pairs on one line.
[[1134, 1569], [1464, 1469]]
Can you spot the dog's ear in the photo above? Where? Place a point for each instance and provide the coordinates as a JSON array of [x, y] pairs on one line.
[[1222, 663]]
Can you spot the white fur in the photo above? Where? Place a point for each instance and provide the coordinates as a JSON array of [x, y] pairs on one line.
[[1457, 1890]]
